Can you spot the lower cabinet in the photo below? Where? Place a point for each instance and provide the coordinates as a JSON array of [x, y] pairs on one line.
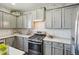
[[47, 48], [55, 48], [26, 44], [57, 51], [19, 43], [67, 49], [9, 41]]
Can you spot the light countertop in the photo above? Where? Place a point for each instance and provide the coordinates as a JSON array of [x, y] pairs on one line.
[[58, 39], [14, 51], [12, 35], [54, 39]]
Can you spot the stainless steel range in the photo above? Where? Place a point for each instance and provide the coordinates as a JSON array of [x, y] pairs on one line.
[[36, 44]]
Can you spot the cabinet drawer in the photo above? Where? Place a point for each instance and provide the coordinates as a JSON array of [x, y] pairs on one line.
[[47, 42], [57, 45]]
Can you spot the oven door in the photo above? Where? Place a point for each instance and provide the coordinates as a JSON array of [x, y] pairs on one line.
[[35, 48]]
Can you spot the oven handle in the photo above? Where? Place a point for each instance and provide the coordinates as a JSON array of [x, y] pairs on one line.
[[34, 42]]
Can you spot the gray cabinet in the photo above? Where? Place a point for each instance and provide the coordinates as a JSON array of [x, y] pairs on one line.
[[57, 48], [25, 21], [48, 23], [6, 20], [38, 14], [26, 44], [19, 43], [0, 19], [12, 21], [56, 18], [9, 41], [67, 17], [20, 22], [67, 49], [47, 48], [53, 19]]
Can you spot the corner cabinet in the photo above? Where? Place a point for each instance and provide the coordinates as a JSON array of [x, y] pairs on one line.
[[9, 41]]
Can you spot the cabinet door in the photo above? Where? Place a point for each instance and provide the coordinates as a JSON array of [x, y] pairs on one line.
[[33, 15], [57, 48], [40, 14], [48, 21], [47, 48], [26, 44], [67, 50], [9, 41], [56, 18], [66, 17], [20, 22], [6, 20], [58, 51], [20, 43], [0, 19], [29, 20], [12, 21], [25, 21]]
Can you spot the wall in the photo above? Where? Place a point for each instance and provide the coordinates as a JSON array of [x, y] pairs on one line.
[[40, 26]]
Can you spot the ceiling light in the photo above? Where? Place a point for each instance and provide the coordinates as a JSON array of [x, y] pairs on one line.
[[13, 3]]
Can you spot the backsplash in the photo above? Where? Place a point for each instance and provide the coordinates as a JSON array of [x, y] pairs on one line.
[[6, 31], [65, 33]]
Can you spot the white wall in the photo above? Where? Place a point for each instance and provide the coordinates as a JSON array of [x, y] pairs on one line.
[[66, 33]]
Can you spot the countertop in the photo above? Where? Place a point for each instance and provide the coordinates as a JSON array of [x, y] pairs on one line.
[[14, 51], [54, 39], [58, 39], [12, 35]]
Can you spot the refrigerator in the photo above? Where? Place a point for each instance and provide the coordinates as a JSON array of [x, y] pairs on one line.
[[75, 34]]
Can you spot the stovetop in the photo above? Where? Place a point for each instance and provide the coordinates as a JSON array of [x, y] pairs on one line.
[[37, 37]]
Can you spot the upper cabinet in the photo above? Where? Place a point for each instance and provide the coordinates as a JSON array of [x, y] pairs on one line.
[[8, 20], [56, 18], [38, 14], [24, 21], [0, 19], [53, 18], [19, 22], [12, 21], [67, 17], [27, 21], [61, 18], [48, 23]]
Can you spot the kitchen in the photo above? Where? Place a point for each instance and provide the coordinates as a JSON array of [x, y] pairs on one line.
[[39, 28]]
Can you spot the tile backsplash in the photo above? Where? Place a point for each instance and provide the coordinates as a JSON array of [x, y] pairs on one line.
[[65, 33], [6, 31]]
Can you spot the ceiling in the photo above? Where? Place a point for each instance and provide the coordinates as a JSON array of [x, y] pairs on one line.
[[31, 6]]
